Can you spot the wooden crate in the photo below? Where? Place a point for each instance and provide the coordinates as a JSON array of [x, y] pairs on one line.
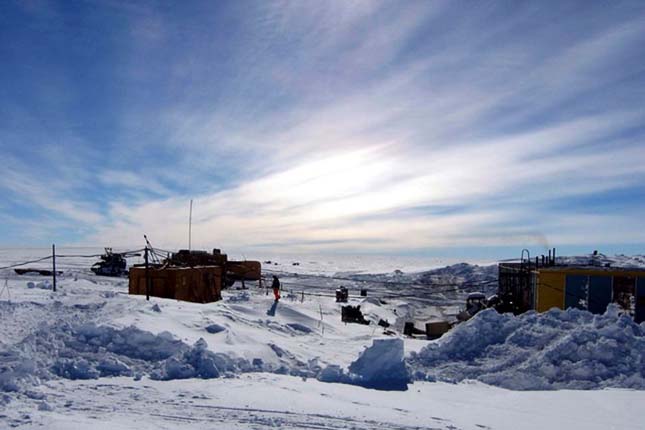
[[435, 330], [202, 284]]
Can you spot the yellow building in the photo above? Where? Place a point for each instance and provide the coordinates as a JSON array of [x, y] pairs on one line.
[[527, 285], [591, 288]]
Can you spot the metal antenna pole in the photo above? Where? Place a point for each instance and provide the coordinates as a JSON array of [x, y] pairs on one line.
[[54, 266], [190, 224]]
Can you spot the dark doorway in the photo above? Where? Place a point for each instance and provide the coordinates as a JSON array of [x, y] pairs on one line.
[[576, 292], [624, 291], [599, 293]]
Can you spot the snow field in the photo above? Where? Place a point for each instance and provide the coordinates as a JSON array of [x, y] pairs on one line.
[[261, 400], [90, 353]]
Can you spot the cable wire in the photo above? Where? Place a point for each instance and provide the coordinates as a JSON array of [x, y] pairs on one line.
[[26, 262]]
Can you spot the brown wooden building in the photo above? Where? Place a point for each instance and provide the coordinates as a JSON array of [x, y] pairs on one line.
[[201, 284]]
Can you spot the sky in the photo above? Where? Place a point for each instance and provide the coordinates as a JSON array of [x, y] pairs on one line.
[[394, 127]]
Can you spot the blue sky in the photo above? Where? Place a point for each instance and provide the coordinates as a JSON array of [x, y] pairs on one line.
[[410, 127]]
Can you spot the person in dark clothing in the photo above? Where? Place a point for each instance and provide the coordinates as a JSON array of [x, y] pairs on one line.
[[276, 288]]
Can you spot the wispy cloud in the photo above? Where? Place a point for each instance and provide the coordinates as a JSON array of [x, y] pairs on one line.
[[344, 125], [128, 182], [25, 185]]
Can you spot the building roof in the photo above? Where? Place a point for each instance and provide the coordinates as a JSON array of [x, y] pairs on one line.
[[590, 268]]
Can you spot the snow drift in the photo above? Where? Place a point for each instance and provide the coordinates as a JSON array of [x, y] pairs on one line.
[[557, 349], [380, 366], [90, 351]]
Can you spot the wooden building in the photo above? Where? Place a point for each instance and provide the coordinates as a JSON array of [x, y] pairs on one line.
[[193, 276], [200, 284]]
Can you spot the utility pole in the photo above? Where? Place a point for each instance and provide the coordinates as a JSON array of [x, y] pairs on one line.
[[54, 266], [147, 273], [190, 224]]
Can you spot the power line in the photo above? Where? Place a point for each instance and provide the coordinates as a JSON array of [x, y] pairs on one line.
[[124, 253], [26, 262], [78, 256], [66, 256]]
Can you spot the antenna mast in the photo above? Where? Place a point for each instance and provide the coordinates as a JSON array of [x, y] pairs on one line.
[[190, 223]]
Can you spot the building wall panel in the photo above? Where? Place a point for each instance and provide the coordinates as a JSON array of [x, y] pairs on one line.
[[550, 291], [640, 299]]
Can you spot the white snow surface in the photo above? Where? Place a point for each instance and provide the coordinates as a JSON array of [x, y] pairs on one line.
[[90, 355]]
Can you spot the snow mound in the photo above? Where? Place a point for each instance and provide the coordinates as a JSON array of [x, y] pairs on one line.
[[301, 328], [215, 328], [379, 366], [241, 297], [84, 351], [44, 285], [570, 349], [90, 351], [600, 259], [199, 362]]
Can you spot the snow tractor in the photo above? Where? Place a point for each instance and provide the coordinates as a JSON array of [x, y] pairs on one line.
[[342, 295], [111, 264], [353, 314], [475, 302]]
